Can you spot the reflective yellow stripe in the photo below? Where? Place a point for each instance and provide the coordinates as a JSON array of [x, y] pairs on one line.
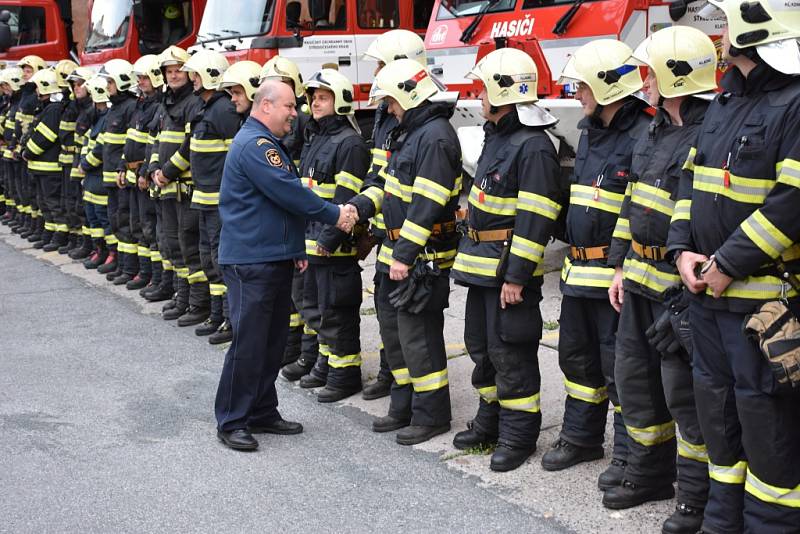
[[378, 222], [66, 126], [44, 166], [431, 190], [130, 176], [307, 330], [653, 198], [430, 382], [591, 197], [93, 160], [765, 235], [652, 435], [728, 474], [401, 376], [126, 248], [523, 404], [757, 287], [623, 229], [294, 319], [488, 393], [114, 138], [179, 161], [746, 190], [85, 230], [324, 350], [182, 272], [33, 147], [648, 275], [143, 252], [538, 204], [207, 199], [62, 228], [109, 177], [689, 163], [415, 233], [171, 136], [49, 227], [326, 191], [196, 277], [209, 145], [789, 497], [167, 265], [348, 360], [97, 233], [217, 290], [395, 188], [380, 157], [682, 210], [65, 159], [375, 195], [789, 172], [111, 239], [46, 132], [579, 275], [467, 263], [349, 181], [135, 135], [527, 249], [492, 204], [586, 393], [698, 453], [311, 250]]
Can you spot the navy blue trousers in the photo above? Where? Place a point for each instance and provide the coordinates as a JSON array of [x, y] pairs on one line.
[[259, 296]]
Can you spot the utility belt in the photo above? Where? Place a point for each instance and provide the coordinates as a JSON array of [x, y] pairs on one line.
[[438, 229], [485, 236], [651, 252], [589, 253], [133, 165]]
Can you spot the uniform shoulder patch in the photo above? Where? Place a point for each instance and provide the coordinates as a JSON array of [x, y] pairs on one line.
[[274, 157], [263, 141]]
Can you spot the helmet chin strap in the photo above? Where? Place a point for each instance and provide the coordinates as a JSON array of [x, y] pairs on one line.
[[595, 116], [749, 52]]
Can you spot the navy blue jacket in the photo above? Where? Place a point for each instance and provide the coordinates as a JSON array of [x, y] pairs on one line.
[[262, 203]]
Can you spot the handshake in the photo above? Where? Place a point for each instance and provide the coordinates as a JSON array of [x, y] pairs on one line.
[[348, 217]]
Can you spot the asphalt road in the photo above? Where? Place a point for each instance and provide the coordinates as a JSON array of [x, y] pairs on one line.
[[106, 425]]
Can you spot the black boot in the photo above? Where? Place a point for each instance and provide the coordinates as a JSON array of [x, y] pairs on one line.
[[44, 239], [98, 257], [378, 389], [138, 282], [122, 257], [110, 265], [472, 438], [69, 245], [83, 249], [215, 319], [297, 370], [507, 457], [155, 278], [613, 475], [58, 240], [628, 495], [122, 279], [224, 334], [329, 394], [413, 434], [684, 520], [181, 300], [194, 315], [388, 423], [564, 454], [310, 381], [162, 291]]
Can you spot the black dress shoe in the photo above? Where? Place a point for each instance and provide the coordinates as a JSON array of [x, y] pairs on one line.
[[628, 495], [413, 434], [565, 454], [297, 370], [508, 458], [471, 438], [329, 394], [387, 423], [194, 316], [684, 520], [239, 439], [378, 389], [311, 381], [613, 475], [280, 426]]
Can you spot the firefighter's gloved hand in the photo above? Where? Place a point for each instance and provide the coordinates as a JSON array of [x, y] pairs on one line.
[[413, 294], [401, 296], [678, 305], [661, 335]]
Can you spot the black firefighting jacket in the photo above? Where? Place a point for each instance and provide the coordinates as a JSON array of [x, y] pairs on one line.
[[179, 108], [738, 199], [112, 142], [9, 134], [516, 180], [29, 105], [295, 139], [91, 161], [134, 153], [42, 147], [419, 197], [602, 168], [385, 122], [66, 129], [87, 114], [649, 203], [333, 164]]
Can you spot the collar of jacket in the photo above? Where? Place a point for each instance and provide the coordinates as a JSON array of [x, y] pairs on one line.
[[328, 125], [623, 119], [120, 97], [213, 98], [425, 112], [173, 97], [762, 78], [155, 97], [262, 128], [508, 124], [692, 111]]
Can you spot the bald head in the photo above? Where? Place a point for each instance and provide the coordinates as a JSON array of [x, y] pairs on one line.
[[274, 107]]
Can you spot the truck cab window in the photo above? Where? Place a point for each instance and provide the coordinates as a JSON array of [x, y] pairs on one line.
[[316, 14], [378, 14], [422, 13], [166, 26], [27, 25]]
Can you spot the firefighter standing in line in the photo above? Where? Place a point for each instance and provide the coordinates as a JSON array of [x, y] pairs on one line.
[[66, 138], [8, 208], [418, 201], [212, 132], [11, 82], [41, 151], [614, 121], [333, 164], [83, 122], [171, 173], [655, 388], [740, 231], [132, 169], [511, 217]]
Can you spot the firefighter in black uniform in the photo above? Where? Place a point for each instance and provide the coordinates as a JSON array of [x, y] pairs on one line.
[[66, 138], [41, 152], [655, 388], [212, 132], [333, 164], [132, 170], [122, 262], [171, 173], [6, 195], [588, 323], [511, 217], [418, 201], [11, 81], [735, 233]]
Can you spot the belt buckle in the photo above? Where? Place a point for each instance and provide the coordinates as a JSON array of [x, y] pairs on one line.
[[655, 252], [473, 235], [581, 253]]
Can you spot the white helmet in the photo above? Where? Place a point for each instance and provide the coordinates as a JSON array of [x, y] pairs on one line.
[[98, 89], [209, 65], [281, 69], [120, 71], [244, 73], [603, 66], [406, 81], [509, 76], [46, 82], [397, 44], [149, 65], [13, 77]]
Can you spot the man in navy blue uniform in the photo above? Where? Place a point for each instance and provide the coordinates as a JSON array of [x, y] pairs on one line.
[[264, 209]]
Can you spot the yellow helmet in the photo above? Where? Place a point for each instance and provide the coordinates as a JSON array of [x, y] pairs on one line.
[[397, 44], [149, 65], [81, 73], [98, 89], [46, 82], [337, 83], [63, 69], [406, 81], [209, 65], [173, 55], [13, 77], [757, 22], [603, 66], [683, 59], [509, 75], [244, 73], [120, 71], [281, 68], [34, 62]]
